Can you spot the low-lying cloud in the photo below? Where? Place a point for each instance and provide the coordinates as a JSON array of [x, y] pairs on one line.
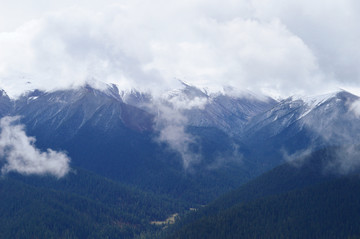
[[297, 158], [18, 153], [171, 124]]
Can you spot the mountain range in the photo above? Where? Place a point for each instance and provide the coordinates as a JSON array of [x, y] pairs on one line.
[[184, 148]]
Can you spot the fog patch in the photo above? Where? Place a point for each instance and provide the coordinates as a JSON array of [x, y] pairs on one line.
[[171, 124], [18, 153]]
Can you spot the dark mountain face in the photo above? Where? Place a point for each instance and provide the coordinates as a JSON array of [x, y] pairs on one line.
[[98, 130], [64, 113]]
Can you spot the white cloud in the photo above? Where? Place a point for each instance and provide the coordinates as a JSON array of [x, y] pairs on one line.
[[278, 47], [171, 125], [19, 154], [329, 29], [297, 158], [240, 53]]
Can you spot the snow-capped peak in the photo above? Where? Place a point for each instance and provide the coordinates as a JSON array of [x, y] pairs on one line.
[[313, 101]]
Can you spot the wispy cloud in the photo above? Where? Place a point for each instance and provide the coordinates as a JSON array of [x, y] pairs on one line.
[[19, 154], [297, 158], [171, 124]]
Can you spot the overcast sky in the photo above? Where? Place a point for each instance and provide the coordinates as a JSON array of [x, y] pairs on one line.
[[278, 47]]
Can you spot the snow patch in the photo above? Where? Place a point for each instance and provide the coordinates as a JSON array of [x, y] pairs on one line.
[[311, 102]]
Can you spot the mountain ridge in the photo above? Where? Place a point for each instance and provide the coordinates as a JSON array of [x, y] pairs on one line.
[[103, 133]]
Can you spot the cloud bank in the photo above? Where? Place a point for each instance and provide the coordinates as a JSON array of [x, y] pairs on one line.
[[278, 47], [19, 154]]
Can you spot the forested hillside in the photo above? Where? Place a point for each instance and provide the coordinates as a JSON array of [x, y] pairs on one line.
[[300, 199], [328, 210], [81, 205]]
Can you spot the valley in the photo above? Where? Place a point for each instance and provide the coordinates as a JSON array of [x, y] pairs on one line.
[[192, 119]]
